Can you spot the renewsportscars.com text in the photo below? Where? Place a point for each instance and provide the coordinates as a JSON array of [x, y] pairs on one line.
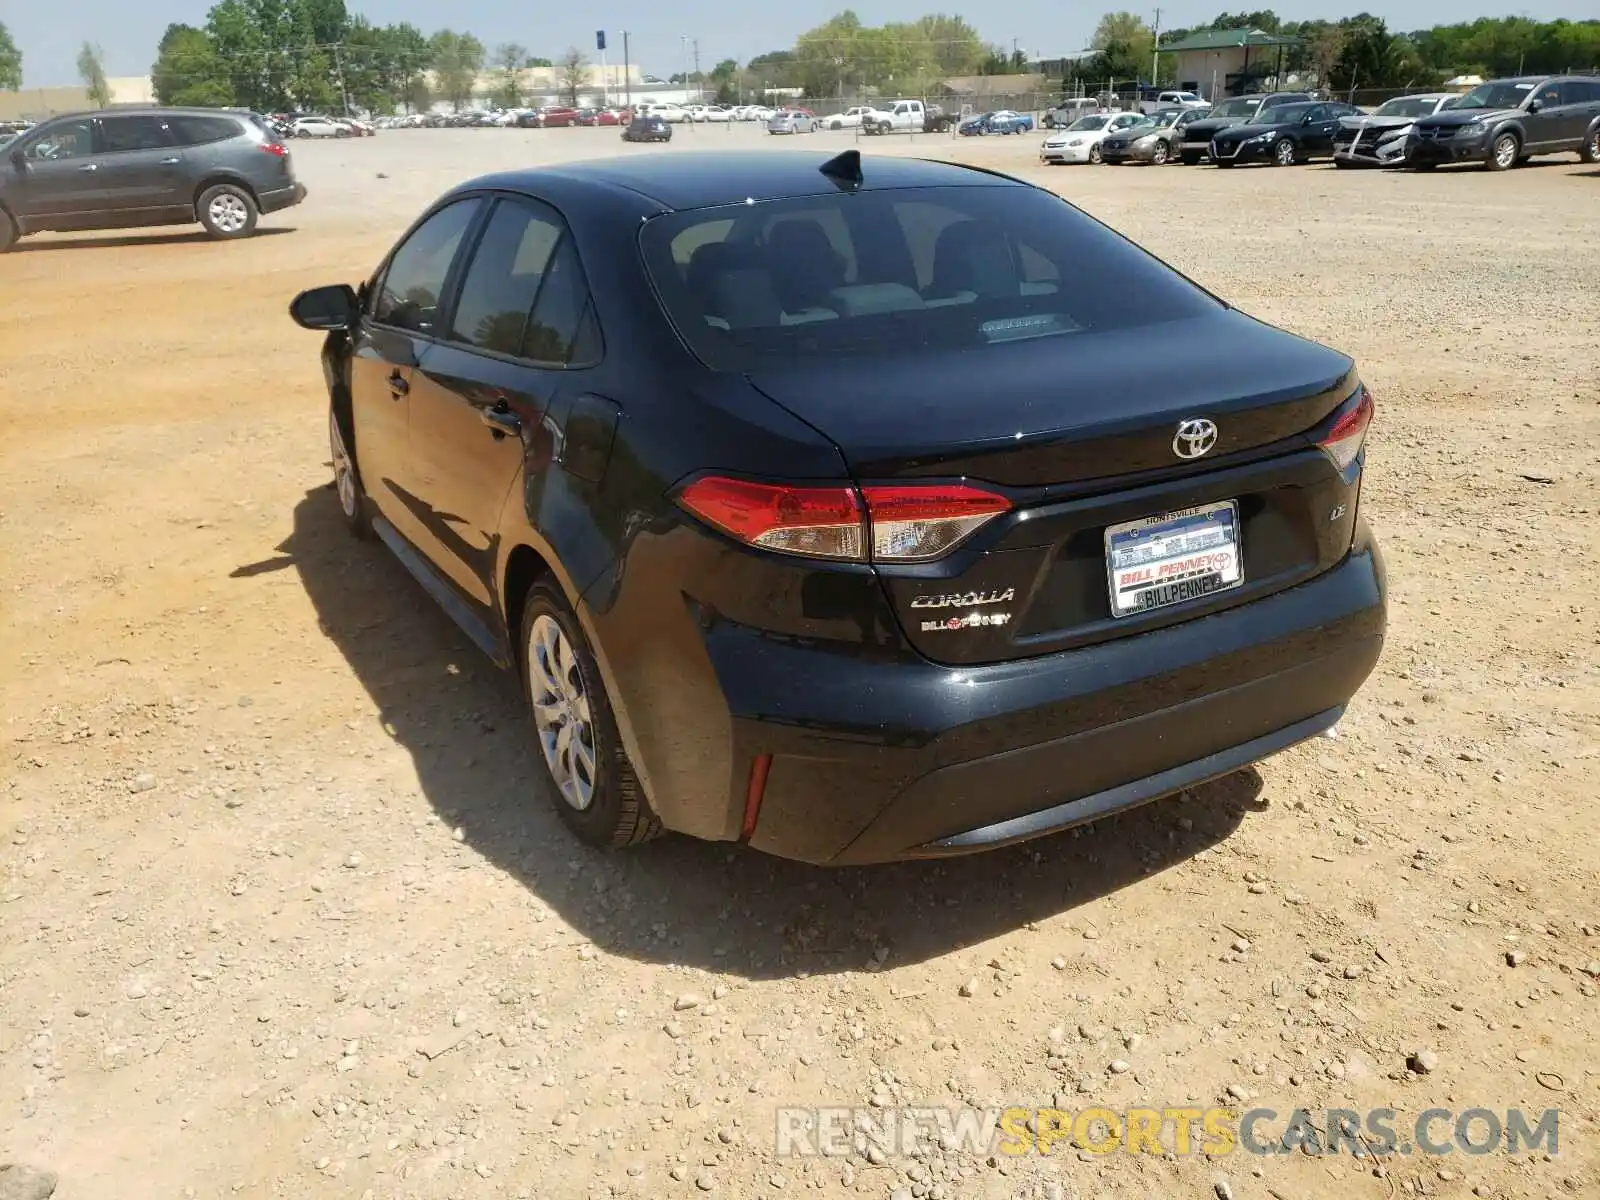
[[844, 1130]]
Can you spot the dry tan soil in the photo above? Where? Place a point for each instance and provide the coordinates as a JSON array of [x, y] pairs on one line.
[[272, 829]]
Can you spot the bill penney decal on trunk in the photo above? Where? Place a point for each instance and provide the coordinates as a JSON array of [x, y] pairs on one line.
[[970, 621]]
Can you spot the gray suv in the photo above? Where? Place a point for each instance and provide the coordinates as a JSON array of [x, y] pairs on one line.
[[148, 166]]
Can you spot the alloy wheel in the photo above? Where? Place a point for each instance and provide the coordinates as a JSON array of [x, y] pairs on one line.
[[228, 213], [1505, 152], [1094, 154], [1159, 156], [1593, 148], [344, 472], [561, 713], [1284, 153]]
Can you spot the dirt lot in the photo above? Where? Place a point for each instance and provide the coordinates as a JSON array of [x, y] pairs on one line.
[[283, 913]]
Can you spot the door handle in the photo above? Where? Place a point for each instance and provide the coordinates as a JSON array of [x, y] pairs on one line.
[[398, 384], [90, 167], [501, 421], [170, 162]]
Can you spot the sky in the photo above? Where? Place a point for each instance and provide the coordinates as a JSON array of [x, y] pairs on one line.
[[128, 30]]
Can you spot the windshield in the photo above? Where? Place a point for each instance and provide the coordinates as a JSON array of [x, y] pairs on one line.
[[1406, 106], [890, 273], [1161, 120], [1083, 123], [1495, 95], [1236, 108], [1286, 114]]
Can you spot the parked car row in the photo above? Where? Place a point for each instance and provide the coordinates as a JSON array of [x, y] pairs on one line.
[[1497, 124], [314, 125]]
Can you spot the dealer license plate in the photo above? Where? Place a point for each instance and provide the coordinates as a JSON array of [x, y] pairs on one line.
[[1175, 557]]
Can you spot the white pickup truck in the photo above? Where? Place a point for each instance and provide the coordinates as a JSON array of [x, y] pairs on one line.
[[1173, 100], [901, 116]]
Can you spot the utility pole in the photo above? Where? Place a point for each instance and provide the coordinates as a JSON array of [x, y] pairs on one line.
[[338, 65], [627, 71], [699, 86], [683, 61], [1155, 51]]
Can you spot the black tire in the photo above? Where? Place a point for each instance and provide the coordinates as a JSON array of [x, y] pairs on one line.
[[1422, 166], [1590, 150], [1189, 159], [1283, 154], [1225, 163], [227, 211], [1341, 164], [1160, 155], [617, 813], [1095, 157], [347, 489], [1504, 152], [9, 236]]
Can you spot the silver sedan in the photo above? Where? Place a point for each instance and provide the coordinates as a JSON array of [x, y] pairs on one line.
[[791, 121]]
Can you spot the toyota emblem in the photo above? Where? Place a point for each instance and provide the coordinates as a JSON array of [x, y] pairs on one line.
[[1194, 438]]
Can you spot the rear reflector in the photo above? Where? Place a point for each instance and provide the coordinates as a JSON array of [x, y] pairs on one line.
[[898, 523], [276, 148], [1349, 432], [754, 794]]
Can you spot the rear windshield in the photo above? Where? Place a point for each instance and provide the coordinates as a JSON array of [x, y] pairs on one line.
[[880, 274], [1236, 108]]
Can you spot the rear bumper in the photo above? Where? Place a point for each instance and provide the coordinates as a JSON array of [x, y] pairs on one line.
[[282, 198], [875, 760]]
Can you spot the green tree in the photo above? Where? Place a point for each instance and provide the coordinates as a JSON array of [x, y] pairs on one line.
[[1125, 45], [509, 57], [725, 78], [10, 61], [457, 59], [535, 61], [954, 44], [187, 70], [92, 70], [573, 74]]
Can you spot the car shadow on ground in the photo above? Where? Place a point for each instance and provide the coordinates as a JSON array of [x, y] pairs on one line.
[[195, 236], [719, 907]]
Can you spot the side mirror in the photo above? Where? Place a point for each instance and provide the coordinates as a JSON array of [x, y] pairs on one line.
[[1535, 104], [1308, 119], [326, 308]]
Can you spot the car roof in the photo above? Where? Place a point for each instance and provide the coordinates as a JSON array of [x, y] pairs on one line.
[[152, 110], [706, 179]]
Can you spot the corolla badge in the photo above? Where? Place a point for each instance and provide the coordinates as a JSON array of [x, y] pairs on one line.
[[1194, 438], [964, 599]]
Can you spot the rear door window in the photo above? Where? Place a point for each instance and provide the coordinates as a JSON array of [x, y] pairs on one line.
[[122, 134], [200, 131], [503, 280], [414, 283], [886, 273]]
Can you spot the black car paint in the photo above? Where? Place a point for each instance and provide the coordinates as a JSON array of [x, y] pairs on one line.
[[1541, 128], [714, 653], [136, 188], [1310, 133]]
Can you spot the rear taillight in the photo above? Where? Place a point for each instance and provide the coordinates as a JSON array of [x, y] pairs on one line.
[[914, 524], [276, 148], [1344, 440], [894, 523], [820, 522]]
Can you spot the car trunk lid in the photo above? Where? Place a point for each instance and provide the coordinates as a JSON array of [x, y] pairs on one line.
[[1080, 434]]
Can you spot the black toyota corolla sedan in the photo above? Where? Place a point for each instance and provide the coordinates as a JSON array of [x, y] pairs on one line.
[[853, 509]]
